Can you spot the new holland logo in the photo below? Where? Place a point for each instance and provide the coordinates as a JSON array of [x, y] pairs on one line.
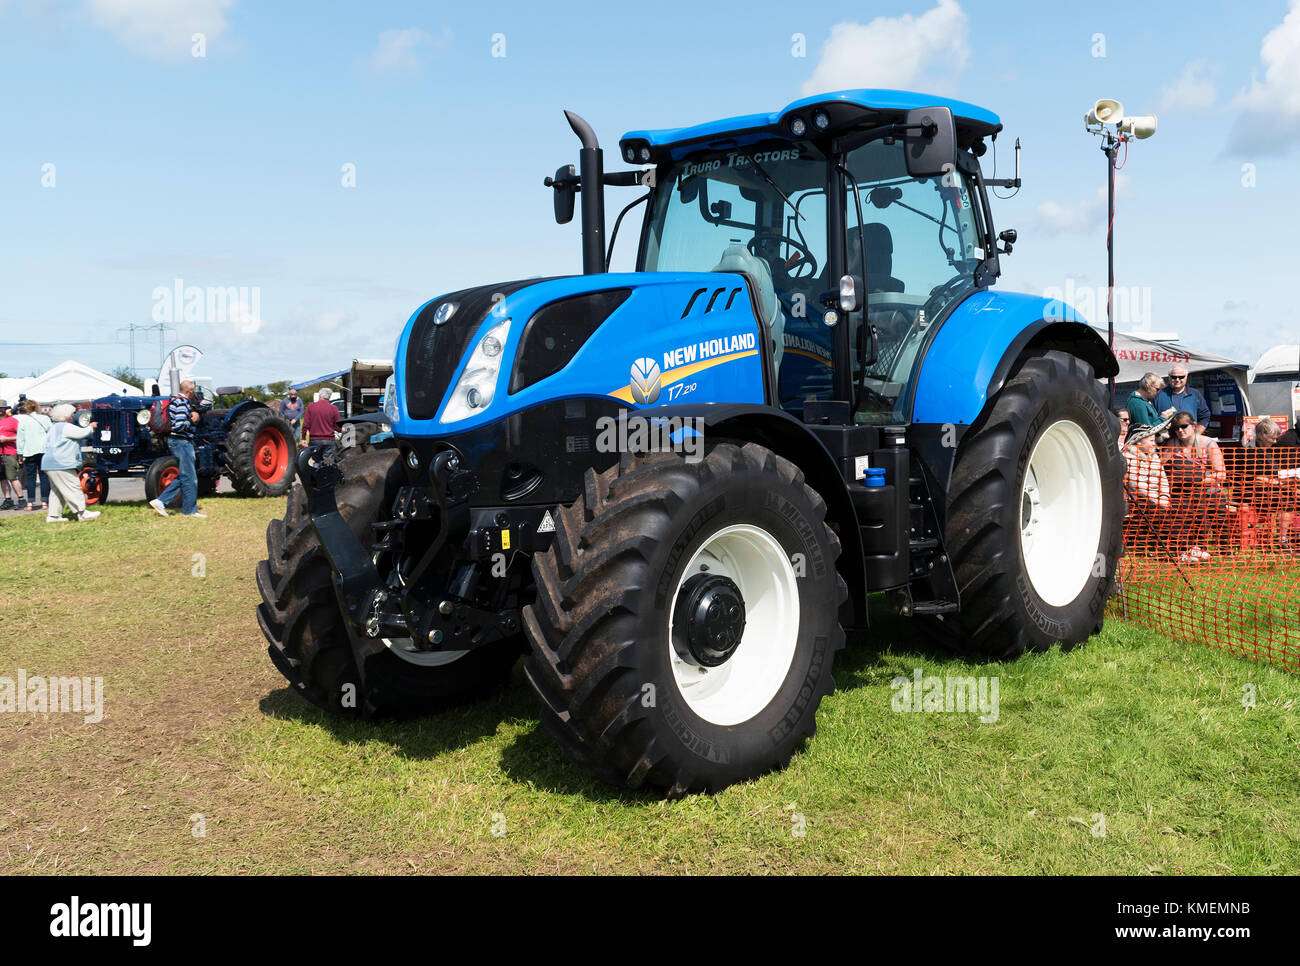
[[444, 312], [645, 381]]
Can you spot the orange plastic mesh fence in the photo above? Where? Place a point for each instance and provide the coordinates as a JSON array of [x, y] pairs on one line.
[[1210, 541]]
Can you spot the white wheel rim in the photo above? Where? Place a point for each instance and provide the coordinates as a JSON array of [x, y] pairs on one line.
[[1060, 513], [746, 682], [404, 647]]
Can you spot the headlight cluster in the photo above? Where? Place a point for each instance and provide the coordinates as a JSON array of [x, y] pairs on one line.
[[392, 408], [477, 384], [142, 417], [83, 418]]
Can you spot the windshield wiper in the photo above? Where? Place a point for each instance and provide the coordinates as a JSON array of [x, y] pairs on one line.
[[768, 178]]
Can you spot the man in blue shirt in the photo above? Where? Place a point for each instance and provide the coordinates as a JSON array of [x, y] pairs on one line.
[[1183, 398]]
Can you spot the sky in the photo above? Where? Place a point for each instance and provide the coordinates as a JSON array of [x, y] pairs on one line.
[[337, 165]]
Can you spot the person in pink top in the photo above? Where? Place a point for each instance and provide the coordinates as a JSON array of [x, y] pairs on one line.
[[9, 459]]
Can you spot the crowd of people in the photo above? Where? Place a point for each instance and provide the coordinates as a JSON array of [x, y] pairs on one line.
[[1180, 491]]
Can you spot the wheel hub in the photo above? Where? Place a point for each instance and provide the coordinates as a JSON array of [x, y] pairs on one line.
[[710, 620]]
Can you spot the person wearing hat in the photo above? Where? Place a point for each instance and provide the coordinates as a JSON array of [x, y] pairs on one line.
[[9, 459]]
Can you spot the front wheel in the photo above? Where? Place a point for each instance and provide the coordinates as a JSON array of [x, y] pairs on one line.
[[160, 475], [1035, 512], [94, 485], [686, 619]]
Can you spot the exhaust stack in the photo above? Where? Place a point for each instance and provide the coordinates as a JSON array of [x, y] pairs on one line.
[[591, 173]]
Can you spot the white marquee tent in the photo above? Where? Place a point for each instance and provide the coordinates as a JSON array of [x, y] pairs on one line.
[[69, 381]]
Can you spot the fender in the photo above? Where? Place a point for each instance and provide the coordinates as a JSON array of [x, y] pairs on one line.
[[977, 347], [239, 410], [789, 438]]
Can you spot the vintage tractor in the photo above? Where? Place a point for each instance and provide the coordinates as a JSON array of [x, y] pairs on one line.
[[249, 443], [675, 488]]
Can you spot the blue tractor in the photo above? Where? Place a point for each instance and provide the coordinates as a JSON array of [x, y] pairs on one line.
[[249, 443], [675, 488]]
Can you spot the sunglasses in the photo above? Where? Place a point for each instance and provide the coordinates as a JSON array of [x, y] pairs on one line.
[[1177, 378], [1183, 426]]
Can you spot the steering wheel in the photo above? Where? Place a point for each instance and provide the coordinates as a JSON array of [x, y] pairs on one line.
[[771, 236], [942, 293]]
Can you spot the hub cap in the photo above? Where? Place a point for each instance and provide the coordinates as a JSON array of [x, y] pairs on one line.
[[1060, 513], [737, 605]]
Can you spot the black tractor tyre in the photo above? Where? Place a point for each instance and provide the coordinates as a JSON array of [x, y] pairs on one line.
[[608, 671], [300, 616], [153, 482], [997, 525], [260, 451]]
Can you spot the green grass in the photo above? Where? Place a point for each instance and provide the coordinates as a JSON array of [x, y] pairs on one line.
[[1145, 731]]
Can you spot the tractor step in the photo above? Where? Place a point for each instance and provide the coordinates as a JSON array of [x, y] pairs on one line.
[[933, 607]]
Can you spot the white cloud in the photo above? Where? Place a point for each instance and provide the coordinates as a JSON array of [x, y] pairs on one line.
[[162, 29], [895, 52], [1192, 91], [1268, 121], [1066, 217], [403, 51]]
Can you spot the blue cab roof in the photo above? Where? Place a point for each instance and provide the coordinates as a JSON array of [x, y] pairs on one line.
[[972, 121]]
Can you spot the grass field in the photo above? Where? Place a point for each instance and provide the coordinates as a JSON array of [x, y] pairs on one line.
[[1133, 736]]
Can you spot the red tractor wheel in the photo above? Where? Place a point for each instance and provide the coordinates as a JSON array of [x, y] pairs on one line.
[[260, 452], [94, 485], [159, 476], [270, 455]]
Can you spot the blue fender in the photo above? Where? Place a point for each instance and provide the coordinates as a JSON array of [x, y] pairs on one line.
[[977, 345]]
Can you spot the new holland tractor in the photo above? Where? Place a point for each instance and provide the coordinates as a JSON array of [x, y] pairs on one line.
[[849, 408]]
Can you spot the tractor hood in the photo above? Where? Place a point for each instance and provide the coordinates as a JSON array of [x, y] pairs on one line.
[[478, 355]]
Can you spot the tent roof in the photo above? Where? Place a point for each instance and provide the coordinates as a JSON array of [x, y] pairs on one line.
[[69, 380], [1280, 358], [1137, 356]]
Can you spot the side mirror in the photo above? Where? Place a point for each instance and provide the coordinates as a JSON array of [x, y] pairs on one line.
[[930, 143], [565, 185]]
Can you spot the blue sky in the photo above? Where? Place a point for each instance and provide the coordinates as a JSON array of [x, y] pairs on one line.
[[226, 169]]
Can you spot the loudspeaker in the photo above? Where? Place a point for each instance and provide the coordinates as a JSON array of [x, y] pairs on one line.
[[1105, 111], [1140, 126]]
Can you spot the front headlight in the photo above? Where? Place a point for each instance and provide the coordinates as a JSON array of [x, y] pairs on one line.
[[83, 418], [477, 384], [392, 409], [142, 417]]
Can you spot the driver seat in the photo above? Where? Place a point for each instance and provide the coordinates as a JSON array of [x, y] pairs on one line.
[[737, 258], [880, 257]]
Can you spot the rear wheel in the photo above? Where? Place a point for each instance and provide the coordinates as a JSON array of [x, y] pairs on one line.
[[686, 619], [1035, 512], [300, 616], [159, 476], [94, 485], [261, 451]]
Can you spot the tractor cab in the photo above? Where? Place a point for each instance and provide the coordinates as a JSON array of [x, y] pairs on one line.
[[749, 195]]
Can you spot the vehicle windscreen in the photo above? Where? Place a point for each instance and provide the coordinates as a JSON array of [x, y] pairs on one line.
[[923, 247]]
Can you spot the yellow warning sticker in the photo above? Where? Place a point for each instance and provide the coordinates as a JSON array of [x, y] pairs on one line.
[[505, 539]]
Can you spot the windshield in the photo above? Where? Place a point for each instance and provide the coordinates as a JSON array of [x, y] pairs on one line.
[[923, 247], [761, 210]]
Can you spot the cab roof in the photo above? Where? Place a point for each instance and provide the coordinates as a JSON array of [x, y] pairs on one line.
[[845, 109]]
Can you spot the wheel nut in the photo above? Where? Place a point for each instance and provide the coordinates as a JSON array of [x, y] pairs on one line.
[[435, 637], [445, 608]]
